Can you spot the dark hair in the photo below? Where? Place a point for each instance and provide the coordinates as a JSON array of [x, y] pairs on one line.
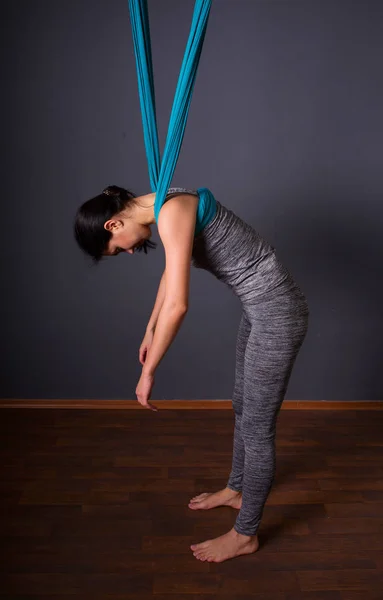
[[89, 230]]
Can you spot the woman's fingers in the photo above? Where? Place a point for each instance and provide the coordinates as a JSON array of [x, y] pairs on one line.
[[148, 405]]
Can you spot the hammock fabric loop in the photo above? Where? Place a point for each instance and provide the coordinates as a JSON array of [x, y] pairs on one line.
[[161, 172]]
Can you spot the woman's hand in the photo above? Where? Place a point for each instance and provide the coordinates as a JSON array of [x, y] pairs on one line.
[[145, 346], [144, 390]]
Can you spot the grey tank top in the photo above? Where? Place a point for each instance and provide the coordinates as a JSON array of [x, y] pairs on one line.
[[236, 254]]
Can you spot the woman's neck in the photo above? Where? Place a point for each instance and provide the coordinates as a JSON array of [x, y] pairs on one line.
[[144, 206]]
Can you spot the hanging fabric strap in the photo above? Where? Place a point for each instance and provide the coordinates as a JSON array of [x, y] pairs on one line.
[[161, 173]]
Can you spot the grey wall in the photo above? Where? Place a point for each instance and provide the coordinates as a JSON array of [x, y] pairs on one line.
[[285, 128]]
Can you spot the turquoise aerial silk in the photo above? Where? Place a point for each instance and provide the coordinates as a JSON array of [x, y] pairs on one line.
[[161, 173]]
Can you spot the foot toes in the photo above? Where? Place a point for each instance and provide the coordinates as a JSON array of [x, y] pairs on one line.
[[196, 503], [199, 497], [204, 545], [199, 547]]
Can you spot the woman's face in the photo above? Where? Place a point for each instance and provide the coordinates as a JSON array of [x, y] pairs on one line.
[[127, 235]]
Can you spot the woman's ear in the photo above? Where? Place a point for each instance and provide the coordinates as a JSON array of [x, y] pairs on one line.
[[113, 224]]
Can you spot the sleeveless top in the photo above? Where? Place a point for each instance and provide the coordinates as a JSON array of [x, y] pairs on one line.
[[236, 254]]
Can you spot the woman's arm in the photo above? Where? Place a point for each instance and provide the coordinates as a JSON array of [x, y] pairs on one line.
[[176, 226], [157, 305]]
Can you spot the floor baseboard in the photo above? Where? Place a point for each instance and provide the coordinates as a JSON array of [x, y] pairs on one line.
[[186, 404]]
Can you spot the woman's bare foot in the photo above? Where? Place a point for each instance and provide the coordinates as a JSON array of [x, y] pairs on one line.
[[226, 546], [226, 497]]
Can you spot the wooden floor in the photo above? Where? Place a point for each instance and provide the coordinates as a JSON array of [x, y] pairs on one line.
[[94, 506]]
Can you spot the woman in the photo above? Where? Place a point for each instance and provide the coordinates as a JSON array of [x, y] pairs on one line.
[[195, 227]]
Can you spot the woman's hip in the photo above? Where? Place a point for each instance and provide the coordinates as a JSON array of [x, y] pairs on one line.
[[285, 307]]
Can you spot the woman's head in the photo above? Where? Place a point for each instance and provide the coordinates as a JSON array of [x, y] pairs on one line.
[[113, 222]]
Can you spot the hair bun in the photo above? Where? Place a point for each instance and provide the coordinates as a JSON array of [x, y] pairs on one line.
[[111, 190]]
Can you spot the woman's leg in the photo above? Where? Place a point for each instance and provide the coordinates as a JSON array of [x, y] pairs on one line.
[[236, 475], [276, 336]]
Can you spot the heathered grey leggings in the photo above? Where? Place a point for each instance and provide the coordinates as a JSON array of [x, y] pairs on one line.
[[269, 338]]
